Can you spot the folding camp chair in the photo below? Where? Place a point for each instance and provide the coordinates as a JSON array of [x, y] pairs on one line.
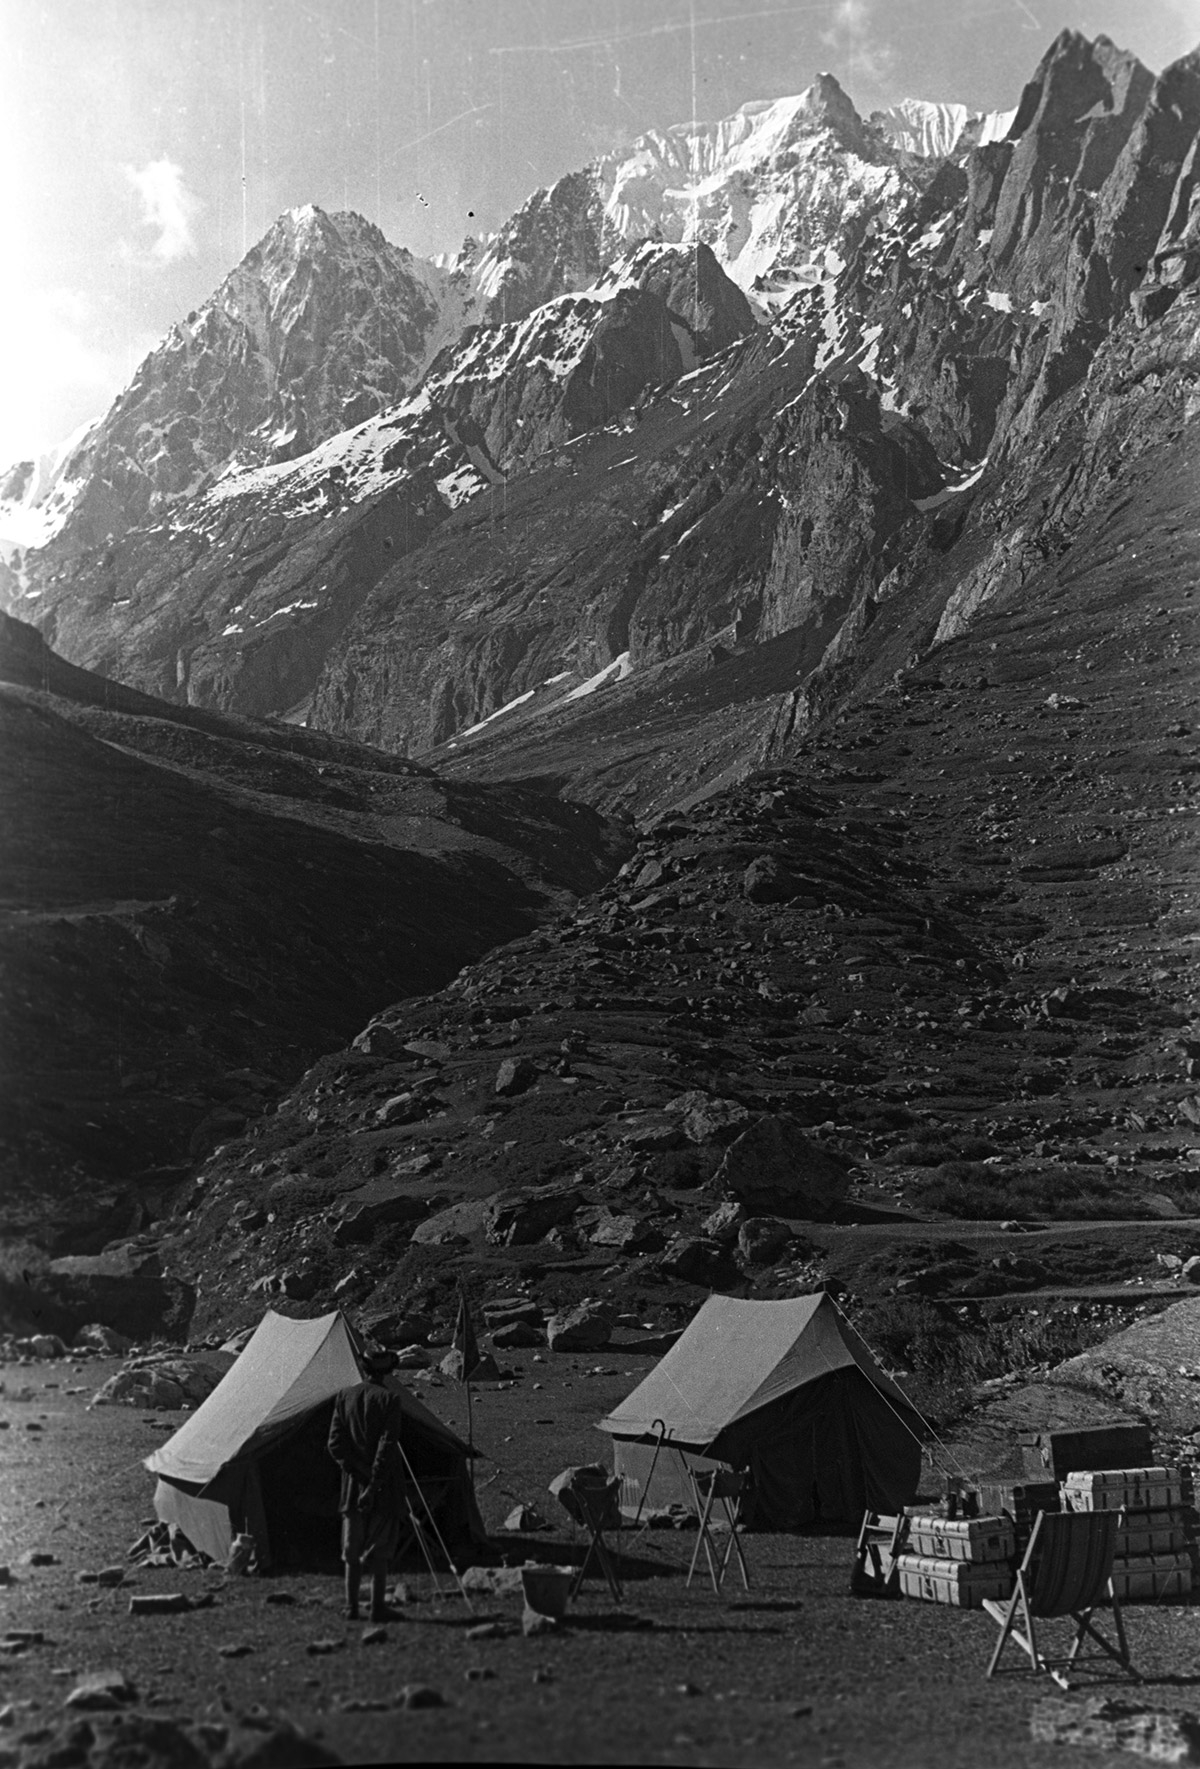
[[597, 1510], [726, 1487], [880, 1541], [1067, 1570]]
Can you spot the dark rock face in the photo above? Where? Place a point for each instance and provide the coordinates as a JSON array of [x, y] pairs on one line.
[[321, 325], [774, 1166]]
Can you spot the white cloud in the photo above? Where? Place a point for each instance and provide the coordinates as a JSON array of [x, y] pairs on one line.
[[53, 374], [855, 31], [167, 206]]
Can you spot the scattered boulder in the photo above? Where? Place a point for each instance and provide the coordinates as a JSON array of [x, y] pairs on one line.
[[484, 1369], [458, 1223], [773, 1166], [724, 1223], [765, 880], [761, 1239], [376, 1206], [627, 1234], [515, 1075], [98, 1337], [705, 1118], [653, 1132], [380, 1040], [1189, 1271], [694, 1261], [517, 1336], [165, 1384], [500, 1314], [399, 1327], [517, 1219], [101, 1690], [587, 1327]]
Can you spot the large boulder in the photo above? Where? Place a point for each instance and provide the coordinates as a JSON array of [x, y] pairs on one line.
[[773, 1167], [376, 1206], [515, 1075], [705, 1118], [517, 1219], [761, 1239], [695, 1261], [166, 1384], [123, 1287], [587, 1327], [652, 1131], [97, 1337], [627, 1234], [459, 1223]]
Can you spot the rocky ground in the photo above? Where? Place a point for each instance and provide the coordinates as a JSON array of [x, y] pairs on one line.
[[792, 1671]]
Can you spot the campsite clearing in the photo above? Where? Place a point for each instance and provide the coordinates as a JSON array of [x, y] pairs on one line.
[[796, 1671]]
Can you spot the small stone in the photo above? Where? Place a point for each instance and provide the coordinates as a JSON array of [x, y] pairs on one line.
[[235, 1649], [101, 1690], [487, 1631], [279, 1597], [801, 1712], [374, 1636], [322, 1648], [38, 1557], [160, 1603], [686, 1689], [111, 1576], [420, 1695], [542, 1676], [87, 1578], [479, 1674]]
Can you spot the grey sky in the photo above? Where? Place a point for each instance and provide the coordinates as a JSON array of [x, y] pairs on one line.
[[147, 143]]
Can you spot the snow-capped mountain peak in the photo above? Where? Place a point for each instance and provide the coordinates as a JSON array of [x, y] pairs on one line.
[[934, 130]]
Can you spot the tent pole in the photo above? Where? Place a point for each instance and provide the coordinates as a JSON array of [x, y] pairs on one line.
[[433, 1526], [662, 1432]]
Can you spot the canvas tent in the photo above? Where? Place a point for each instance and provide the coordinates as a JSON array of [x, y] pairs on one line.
[[253, 1459], [786, 1390]]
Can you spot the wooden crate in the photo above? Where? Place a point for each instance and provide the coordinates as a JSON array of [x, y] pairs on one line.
[[1152, 1576], [1055, 1453], [1151, 1532], [963, 1583], [975, 1539], [1116, 1489]]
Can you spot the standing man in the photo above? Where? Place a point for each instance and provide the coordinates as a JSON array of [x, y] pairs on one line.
[[364, 1441]]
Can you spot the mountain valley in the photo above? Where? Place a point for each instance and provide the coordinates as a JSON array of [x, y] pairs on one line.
[[688, 709]]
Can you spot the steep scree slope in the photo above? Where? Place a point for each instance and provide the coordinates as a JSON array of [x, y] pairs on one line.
[[195, 906]]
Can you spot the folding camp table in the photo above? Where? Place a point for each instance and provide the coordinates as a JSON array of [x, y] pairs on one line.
[[596, 1510], [712, 1487]]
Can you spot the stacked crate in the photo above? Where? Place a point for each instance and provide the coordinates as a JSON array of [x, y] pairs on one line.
[[1153, 1555], [958, 1560], [1019, 1500]]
